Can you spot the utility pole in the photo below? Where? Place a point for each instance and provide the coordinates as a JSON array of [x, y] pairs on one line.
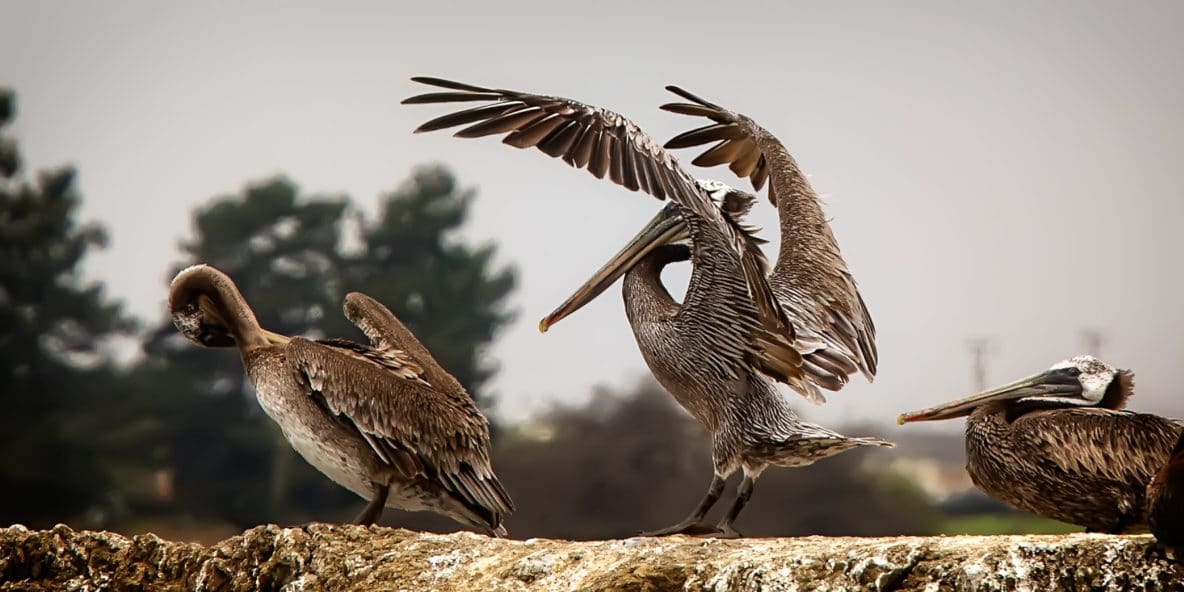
[[1093, 339], [980, 347]]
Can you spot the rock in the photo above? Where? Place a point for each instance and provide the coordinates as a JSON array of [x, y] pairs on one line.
[[329, 557]]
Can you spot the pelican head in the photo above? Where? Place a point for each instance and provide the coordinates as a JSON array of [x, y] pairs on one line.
[[208, 309], [1082, 381], [667, 227]]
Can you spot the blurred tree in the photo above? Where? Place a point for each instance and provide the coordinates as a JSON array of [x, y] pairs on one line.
[[53, 332]]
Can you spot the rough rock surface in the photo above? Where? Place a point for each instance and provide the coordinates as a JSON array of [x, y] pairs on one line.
[[325, 557]]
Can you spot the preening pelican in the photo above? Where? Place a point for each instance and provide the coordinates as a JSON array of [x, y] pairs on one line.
[[383, 419]]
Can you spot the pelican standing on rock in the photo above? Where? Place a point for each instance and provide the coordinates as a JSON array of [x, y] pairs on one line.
[[713, 351], [383, 420], [1061, 445]]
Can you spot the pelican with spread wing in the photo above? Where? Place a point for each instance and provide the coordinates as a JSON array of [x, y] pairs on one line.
[[383, 419], [715, 351]]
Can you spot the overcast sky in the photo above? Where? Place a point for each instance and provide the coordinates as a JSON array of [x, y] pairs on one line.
[[1009, 170]]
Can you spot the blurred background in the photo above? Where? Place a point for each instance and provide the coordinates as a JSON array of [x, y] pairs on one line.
[[1002, 180]]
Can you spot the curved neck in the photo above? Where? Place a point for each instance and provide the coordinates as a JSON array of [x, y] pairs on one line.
[[646, 299], [219, 298], [242, 324]]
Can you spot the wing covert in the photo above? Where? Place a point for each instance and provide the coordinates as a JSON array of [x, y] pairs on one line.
[[1137, 444]]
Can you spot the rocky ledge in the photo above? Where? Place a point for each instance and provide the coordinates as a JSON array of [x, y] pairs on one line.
[[327, 557]]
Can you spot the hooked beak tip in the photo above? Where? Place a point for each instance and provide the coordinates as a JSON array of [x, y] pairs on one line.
[[544, 325]]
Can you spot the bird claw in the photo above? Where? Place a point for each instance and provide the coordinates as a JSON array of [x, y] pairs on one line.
[[727, 531]]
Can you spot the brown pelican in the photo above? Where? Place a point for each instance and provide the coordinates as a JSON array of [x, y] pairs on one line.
[[1165, 501], [1059, 444], [834, 331], [383, 420], [710, 351]]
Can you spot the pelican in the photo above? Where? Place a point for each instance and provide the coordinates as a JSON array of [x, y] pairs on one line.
[[383, 419], [713, 351], [1061, 445], [1165, 505], [834, 331]]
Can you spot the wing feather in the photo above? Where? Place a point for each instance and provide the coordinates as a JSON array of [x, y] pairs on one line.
[[1101, 444], [810, 279]]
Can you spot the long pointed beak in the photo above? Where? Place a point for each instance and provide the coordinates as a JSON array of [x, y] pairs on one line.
[[210, 310], [667, 227], [1052, 382]]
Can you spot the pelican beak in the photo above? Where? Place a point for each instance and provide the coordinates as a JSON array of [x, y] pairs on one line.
[[211, 313], [665, 228], [215, 330], [1056, 382]]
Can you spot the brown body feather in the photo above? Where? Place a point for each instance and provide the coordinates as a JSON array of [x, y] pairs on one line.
[[1165, 500]]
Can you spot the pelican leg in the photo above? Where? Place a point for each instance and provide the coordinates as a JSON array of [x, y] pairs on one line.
[[743, 494], [374, 509], [693, 524]]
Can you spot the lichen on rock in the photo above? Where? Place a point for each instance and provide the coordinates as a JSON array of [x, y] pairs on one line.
[[329, 557]]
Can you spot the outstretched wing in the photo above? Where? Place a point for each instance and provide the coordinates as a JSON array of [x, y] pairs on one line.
[[605, 143], [836, 334]]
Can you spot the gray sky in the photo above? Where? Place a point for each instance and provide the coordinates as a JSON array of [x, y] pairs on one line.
[[1007, 169]]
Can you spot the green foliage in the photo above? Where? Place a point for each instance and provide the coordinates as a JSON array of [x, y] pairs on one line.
[[53, 361], [1005, 523]]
